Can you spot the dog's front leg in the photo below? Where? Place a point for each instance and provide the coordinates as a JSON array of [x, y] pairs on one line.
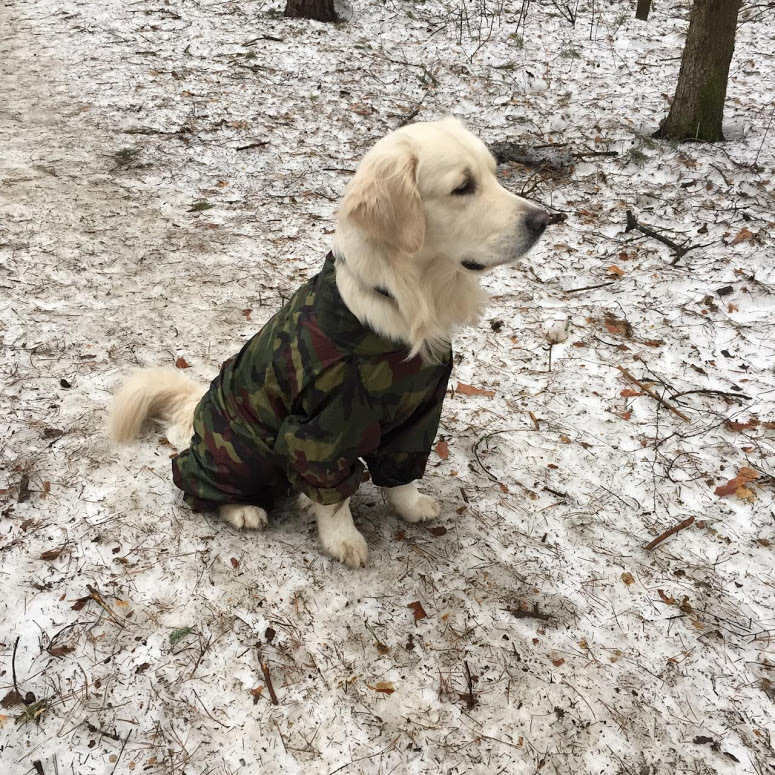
[[338, 535], [410, 504]]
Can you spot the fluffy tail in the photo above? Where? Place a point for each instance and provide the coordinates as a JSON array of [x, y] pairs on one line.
[[164, 395]]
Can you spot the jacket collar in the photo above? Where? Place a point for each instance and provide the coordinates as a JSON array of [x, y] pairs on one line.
[[340, 325]]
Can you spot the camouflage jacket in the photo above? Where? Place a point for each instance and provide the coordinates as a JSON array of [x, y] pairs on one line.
[[307, 399]]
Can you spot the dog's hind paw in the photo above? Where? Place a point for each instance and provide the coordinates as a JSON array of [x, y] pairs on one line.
[[252, 517]]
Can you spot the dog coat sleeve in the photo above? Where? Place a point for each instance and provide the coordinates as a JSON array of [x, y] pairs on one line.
[[403, 451], [330, 429]]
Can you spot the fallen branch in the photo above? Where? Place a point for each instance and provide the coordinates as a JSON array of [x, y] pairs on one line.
[[679, 250], [680, 526], [654, 395]]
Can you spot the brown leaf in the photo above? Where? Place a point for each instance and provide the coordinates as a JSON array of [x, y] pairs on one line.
[[12, 698], [616, 326], [627, 578], [51, 554], [615, 270], [60, 651], [744, 235], [737, 486], [80, 603], [234, 562], [627, 393], [442, 450], [733, 425], [181, 363], [666, 598], [419, 611], [470, 390], [558, 662], [437, 531], [246, 313], [385, 687], [142, 668]]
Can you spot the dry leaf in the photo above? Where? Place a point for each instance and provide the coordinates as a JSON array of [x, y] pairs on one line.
[[558, 662], [666, 598], [470, 390], [234, 562], [419, 611], [627, 393], [733, 425], [60, 651], [438, 531], [442, 450], [51, 554], [246, 313], [182, 364], [737, 486], [385, 687], [627, 578], [615, 270], [744, 235]]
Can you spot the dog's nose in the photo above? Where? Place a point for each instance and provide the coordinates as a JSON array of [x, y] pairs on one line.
[[537, 221]]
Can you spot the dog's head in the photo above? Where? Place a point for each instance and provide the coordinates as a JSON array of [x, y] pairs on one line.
[[429, 190]]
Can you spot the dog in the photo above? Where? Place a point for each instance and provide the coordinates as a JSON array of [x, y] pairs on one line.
[[355, 367]]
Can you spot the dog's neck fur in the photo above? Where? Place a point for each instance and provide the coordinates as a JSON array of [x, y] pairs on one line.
[[430, 294]]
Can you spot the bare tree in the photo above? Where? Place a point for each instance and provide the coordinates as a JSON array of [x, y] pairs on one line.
[[697, 109], [320, 10], [642, 11]]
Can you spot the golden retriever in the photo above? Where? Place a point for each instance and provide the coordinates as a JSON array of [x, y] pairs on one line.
[[422, 219]]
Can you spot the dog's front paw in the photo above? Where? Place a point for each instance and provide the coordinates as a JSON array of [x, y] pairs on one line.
[[252, 517], [348, 547], [423, 509], [411, 505]]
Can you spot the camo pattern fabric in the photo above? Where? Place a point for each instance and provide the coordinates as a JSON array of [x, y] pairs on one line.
[[306, 401]]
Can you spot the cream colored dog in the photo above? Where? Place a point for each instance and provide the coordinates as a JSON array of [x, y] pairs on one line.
[[421, 220]]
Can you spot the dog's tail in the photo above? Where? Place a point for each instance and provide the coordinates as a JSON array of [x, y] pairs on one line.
[[164, 395]]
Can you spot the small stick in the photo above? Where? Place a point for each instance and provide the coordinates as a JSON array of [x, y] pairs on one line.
[[471, 700], [123, 745], [680, 526], [588, 287], [268, 681], [13, 666], [633, 223], [654, 395], [97, 598]]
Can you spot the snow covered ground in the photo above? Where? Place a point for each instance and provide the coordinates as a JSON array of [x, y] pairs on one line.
[[169, 171]]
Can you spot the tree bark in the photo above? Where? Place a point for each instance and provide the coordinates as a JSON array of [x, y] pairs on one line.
[[642, 11], [320, 10], [698, 106]]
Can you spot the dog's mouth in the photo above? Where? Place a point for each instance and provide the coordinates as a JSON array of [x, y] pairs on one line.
[[474, 266]]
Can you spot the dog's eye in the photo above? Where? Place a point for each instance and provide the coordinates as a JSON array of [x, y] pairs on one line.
[[467, 187]]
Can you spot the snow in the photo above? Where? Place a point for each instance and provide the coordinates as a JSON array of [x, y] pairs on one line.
[[118, 118]]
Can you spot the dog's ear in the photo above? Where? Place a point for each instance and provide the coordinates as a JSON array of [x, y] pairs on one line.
[[383, 199]]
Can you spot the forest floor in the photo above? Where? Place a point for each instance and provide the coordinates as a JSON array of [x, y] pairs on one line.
[[169, 170]]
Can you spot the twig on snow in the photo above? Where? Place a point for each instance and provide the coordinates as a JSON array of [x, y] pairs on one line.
[[680, 526], [267, 678], [654, 395], [679, 250]]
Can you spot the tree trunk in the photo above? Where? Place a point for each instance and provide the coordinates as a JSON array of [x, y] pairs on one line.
[[320, 10], [698, 106], [642, 11]]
